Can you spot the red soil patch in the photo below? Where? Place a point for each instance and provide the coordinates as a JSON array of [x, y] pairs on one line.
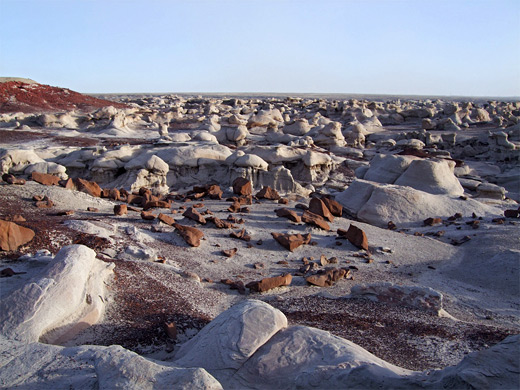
[[16, 96]]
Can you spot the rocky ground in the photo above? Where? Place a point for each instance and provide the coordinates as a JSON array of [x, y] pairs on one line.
[[430, 275]]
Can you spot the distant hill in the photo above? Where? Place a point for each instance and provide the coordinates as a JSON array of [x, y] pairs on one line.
[[26, 95], [20, 79]]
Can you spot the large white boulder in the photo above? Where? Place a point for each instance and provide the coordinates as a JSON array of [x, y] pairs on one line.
[[378, 204], [299, 356], [228, 341], [59, 302]]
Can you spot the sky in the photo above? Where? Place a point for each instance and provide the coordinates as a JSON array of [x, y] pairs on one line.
[[418, 47]]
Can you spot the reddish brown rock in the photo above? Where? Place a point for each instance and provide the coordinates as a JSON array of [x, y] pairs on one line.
[[270, 283], [291, 241], [45, 179], [356, 236], [283, 201], [111, 193], [511, 213], [242, 186], [289, 214], [229, 252], [92, 209], [147, 215], [120, 209], [268, 193], [328, 277], [213, 191], [65, 212], [68, 184], [191, 235], [334, 207], [12, 179], [159, 204], [315, 219], [241, 235], [432, 221], [13, 236], [194, 215], [137, 200], [220, 224], [44, 203], [317, 206], [88, 187], [166, 219]]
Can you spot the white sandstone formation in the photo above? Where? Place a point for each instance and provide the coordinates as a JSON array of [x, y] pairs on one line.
[[378, 204], [65, 298]]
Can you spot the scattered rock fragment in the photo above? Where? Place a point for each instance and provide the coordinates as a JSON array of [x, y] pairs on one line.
[[270, 283], [194, 215], [229, 252], [327, 278], [432, 221], [315, 220], [334, 207], [12, 179], [166, 219], [191, 235], [289, 214], [147, 215], [88, 187], [268, 193], [241, 235], [242, 186], [317, 206], [45, 179], [291, 241], [356, 236], [12, 236], [120, 209]]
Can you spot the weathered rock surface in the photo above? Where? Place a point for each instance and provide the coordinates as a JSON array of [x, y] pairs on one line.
[[223, 346], [53, 306]]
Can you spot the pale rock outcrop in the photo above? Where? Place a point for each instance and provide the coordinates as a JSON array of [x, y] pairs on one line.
[[298, 356], [49, 367], [378, 204], [387, 168], [264, 118], [47, 168], [55, 305], [432, 176], [252, 161], [298, 128], [329, 135], [227, 342], [17, 160]]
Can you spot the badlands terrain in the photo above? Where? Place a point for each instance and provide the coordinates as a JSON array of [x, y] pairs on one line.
[[257, 242]]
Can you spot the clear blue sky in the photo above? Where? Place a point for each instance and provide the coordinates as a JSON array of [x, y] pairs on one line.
[[426, 47]]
